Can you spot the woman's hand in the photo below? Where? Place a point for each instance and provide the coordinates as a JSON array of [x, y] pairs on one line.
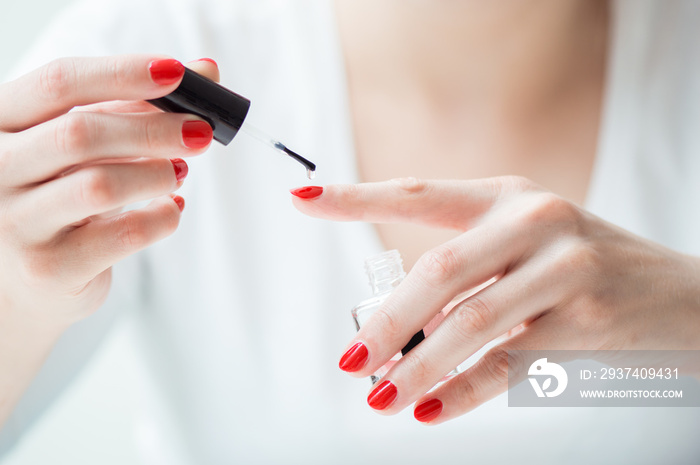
[[64, 175], [565, 280]]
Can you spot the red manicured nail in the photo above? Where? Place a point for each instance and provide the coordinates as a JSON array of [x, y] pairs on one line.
[[307, 193], [383, 396], [428, 410], [210, 61], [166, 72], [196, 134], [355, 358], [181, 168], [179, 201]]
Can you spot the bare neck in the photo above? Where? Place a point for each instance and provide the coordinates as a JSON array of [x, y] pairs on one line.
[[510, 52]]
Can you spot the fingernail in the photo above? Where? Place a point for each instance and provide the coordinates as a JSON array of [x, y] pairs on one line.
[[196, 134], [383, 396], [428, 410], [166, 72], [307, 193], [179, 201], [210, 61], [355, 358], [181, 168]]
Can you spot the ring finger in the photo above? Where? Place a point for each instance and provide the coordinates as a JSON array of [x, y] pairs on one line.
[[489, 376], [471, 324]]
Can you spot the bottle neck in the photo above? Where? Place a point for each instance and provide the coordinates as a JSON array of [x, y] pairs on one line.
[[385, 271]]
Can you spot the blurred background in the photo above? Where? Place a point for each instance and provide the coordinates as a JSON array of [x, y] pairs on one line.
[[92, 421]]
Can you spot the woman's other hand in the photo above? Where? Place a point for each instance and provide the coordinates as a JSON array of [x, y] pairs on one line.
[[565, 280]]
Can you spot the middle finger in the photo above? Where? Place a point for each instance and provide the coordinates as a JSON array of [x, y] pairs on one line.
[[449, 270], [44, 151]]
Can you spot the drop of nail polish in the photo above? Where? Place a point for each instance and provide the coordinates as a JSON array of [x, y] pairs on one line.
[[310, 174]]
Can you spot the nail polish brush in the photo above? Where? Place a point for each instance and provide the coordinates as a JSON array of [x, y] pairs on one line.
[[224, 110]]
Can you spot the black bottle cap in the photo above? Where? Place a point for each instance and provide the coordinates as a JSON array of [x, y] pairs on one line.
[[223, 109]]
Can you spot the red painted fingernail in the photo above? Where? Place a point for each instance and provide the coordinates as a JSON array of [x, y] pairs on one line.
[[428, 410], [196, 134], [210, 61], [307, 193], [383, 396], [181, 168], [355, 358], [166, 72], [179, 201]]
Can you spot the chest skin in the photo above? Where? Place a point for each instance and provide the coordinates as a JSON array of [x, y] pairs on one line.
[[434, 103]]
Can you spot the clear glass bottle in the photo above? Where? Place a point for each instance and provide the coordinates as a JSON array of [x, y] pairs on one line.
[[385, 272]]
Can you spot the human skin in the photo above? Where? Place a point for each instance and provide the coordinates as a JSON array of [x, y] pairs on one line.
[[566, 280], [77, 143]]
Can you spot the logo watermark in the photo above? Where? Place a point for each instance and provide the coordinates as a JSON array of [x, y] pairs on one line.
[[541, 368], [604, 378]]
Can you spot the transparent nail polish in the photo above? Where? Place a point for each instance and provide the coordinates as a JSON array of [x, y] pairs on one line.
[[385, 272]]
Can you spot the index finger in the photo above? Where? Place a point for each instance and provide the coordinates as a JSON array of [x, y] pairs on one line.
[[454, 204], [57, 87], [204, 66]]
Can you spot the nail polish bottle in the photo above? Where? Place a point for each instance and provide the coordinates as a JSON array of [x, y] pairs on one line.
[[385, 272]]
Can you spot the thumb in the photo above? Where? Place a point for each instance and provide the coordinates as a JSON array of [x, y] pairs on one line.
[[206, 67]]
